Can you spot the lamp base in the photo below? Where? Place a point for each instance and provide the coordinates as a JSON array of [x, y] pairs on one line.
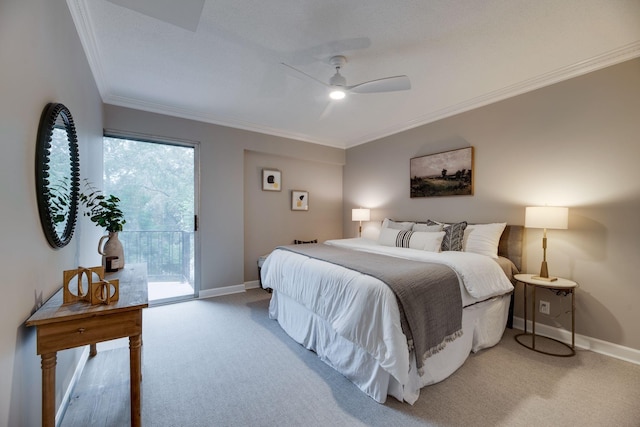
[[544, 270], [545, 279]]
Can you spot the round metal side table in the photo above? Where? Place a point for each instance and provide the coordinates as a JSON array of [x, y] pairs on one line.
[[561, 287]]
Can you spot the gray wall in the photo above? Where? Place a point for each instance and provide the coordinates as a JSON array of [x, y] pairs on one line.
[[269, 220], [42, 61], [572, 144], [224, 219]]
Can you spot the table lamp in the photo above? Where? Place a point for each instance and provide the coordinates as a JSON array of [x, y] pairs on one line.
[[360, 215], [546, 217]]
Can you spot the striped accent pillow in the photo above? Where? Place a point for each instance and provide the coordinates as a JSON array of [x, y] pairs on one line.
[[403, 238], [411, 239]]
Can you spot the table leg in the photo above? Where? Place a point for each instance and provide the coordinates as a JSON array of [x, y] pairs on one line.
[[93, 350], [135, 375], [533, 318], [49, 389], [512, 300], [573, 319], [525, 306]]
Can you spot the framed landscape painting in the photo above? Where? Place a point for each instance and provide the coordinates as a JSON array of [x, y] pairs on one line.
[[442, 174]]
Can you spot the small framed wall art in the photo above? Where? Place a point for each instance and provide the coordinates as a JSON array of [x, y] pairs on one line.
[[271, 180], [299, 200]]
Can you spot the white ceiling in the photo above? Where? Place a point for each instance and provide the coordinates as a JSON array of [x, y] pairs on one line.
[[219, 61]]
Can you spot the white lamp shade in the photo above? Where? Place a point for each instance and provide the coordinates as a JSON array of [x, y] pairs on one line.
[[546, 217], [360, 214]]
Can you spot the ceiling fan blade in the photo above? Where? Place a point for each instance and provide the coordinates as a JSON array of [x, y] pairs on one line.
[[387, 84], [305, 74]]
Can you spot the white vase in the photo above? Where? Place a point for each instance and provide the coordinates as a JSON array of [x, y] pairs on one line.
[[112, 248]]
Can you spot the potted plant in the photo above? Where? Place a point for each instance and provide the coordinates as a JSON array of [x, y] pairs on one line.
[[103, 211]]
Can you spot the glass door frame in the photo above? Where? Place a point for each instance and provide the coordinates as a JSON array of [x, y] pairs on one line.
[[195, 145]]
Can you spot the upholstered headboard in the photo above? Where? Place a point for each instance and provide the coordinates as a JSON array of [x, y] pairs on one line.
[[510, 245]]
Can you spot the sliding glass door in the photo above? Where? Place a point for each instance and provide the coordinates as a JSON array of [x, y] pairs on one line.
[[156, 182]]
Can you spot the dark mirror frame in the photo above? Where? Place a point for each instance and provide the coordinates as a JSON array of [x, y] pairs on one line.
[[70, 190]]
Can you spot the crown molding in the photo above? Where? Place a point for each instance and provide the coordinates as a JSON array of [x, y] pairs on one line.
[[83, 24]]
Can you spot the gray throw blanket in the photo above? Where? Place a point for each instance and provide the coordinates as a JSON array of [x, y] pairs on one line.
[[428, 294]]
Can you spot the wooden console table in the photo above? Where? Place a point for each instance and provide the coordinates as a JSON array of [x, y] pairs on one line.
[[62, 326]]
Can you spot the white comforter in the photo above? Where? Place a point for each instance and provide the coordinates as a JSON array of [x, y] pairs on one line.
[[361, 308], [480, 275]]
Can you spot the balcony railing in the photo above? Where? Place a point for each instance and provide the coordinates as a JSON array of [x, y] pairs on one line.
[[168, 254]]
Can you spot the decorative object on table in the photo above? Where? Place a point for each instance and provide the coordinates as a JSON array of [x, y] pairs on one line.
[[546, 217], [112, 263], [101, 210], [360, 214], [112, 252], [271, 180], [91, 286], [105, 291], [81, 291], [105, 212], [299, 200], [442, 174]]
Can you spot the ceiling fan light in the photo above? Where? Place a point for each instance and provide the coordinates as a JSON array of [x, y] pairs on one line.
[[337, 94]]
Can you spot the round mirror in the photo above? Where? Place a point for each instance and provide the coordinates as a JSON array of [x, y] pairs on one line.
[[57, 174]]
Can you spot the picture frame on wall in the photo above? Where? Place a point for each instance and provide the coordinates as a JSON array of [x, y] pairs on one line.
[[449, 173], [299, 200], [271, 180]]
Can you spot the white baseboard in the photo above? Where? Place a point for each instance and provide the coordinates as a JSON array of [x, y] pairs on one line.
[[254, 284], [217, 292], [583, 342], [64, 403], [228, 290]]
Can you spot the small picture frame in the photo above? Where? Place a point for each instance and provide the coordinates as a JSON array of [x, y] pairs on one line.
[[299, 200], [271, 180]]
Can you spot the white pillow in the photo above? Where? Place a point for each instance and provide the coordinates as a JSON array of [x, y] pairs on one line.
[[432, 240], [388, 236], [483, 239], [411, 239], [388, 223]]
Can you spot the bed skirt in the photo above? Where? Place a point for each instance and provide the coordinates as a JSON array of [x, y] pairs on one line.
[[483, 325]]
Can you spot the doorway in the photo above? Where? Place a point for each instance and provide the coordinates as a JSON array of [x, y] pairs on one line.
[[156, 182]]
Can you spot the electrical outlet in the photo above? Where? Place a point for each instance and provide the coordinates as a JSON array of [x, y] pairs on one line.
[[545, 307]]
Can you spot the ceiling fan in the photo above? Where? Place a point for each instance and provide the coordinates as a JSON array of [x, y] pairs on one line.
[[338, 84]]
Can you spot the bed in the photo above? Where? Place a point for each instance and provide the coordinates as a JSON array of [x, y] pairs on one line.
[[357, 323]]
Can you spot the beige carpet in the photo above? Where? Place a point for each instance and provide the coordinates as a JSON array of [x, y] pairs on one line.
[[222, 362]]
